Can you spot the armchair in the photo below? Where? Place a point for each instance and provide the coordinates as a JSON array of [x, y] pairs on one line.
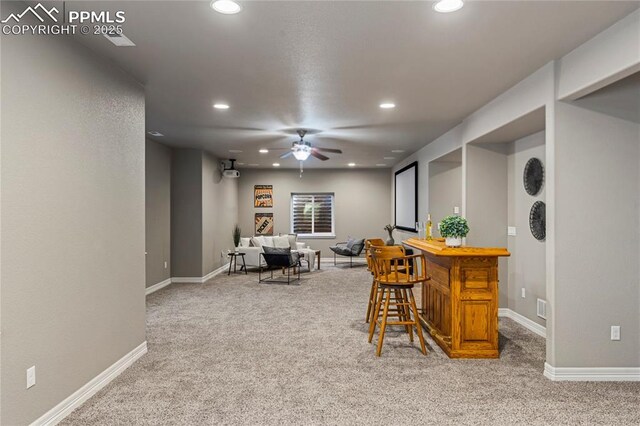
[[279, 259], [351, 249]]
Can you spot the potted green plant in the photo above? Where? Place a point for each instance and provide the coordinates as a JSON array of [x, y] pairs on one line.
[[454, 228], [237, 232]]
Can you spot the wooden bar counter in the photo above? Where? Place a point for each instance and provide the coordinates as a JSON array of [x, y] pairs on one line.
[[460, 300]]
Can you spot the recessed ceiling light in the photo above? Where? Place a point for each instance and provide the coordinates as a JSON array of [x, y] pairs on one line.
[[397, 150], [276, 164], [221, 106], [351, 164], [227, 7], [389, 158], [264, 151], [387, 105], [154, 133], [240, 164], [446, 6], [379, 165], [235, 151]]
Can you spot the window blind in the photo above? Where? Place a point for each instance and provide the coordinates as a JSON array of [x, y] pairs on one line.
[[312, 214]]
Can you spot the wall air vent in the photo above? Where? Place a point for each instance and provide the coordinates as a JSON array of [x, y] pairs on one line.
[[154, 133], [541, 308], [119, 40]]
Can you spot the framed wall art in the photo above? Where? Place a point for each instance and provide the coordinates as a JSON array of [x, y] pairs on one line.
[[263, 196], [264, 223]]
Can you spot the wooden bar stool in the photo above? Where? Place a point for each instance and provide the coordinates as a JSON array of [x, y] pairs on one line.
[[395, 277], [374, 287]]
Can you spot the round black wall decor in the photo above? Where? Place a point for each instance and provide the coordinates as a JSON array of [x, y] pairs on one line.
[[533, 176], [537, 221]]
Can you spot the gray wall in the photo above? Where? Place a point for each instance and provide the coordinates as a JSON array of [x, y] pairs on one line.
[[158, 211], [445, 190], [526, 266], [362, 197], [597, 239], [73, 220], [186, 213], [496, 199], [219, 214], [486, 182], [204, 209]]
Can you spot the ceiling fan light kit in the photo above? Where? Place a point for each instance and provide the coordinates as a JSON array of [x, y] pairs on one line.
[[301, 152]]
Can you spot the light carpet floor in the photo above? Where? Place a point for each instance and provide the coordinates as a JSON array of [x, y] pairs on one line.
[[232, 351]]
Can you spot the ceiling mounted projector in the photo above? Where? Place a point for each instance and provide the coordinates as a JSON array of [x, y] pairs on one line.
[[230, 172]]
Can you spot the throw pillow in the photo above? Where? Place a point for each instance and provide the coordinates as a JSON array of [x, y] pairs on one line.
[[257, 241], [245, 242], [268, 241], [358, 244], [300, 246], [277, 250], [293, 238], [281, 242], [350, 243]]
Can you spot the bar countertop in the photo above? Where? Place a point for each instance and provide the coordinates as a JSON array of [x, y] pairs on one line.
[[437, 247]]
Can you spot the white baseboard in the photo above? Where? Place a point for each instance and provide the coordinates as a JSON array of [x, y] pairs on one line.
[[357, 260], [592, 374], [540, 330], [200, 280], [157, 286], [73, 401]]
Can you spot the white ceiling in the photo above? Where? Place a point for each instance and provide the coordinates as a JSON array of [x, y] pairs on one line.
[[327, 65]]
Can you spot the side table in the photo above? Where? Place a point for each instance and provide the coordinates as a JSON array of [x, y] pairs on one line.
[[234, 261]]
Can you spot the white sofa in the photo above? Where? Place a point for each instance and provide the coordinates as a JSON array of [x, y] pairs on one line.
[[252, 247]]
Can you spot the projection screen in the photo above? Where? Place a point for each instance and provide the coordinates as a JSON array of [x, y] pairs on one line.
[[406, 197]]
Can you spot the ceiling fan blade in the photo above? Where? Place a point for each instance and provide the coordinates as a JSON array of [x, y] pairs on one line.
[[319, 156], [335, 151], [286, 154]]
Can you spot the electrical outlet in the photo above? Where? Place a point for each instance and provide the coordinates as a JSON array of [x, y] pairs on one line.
[[615, 332], [456, 210], [524, 293], [31, 376], [165, 264], [511, 231]]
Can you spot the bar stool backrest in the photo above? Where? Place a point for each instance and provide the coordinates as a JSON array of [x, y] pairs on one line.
[[393, 266], [385, 260], [368, 243]]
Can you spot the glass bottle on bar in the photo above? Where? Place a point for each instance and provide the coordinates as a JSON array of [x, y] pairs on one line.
[[428, 227]]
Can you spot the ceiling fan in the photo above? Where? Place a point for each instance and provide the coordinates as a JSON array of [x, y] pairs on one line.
[[301, 149]]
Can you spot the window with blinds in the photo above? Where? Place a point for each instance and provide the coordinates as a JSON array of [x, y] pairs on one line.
[[312, 215]]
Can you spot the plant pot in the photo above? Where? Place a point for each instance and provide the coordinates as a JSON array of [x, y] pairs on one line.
[[390, 242], [453, 241]]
